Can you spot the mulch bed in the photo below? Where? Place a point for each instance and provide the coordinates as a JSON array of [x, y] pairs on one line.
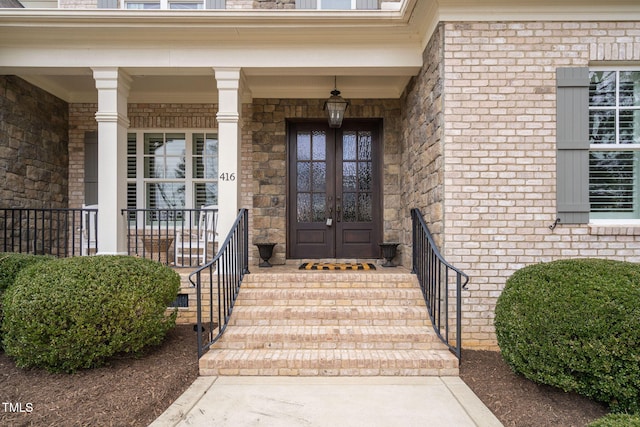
[[128, 392], [518, 402], [133, 392]]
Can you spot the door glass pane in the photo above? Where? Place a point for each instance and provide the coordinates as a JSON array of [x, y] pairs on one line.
[[349, 146], [364, 176], [319, 145], [349, 181], [304, 146], [364, 207], [304, 207], [319, 208], [364, 146], [319, 176], [304, 176], [349, 207]]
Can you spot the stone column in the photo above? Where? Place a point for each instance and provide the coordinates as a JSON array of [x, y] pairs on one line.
[[228, 117], [113, 89]]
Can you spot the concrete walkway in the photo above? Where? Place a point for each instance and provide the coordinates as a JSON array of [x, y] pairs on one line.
[[328, 401]]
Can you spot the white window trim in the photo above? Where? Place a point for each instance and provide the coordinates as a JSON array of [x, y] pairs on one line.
[[164, 4], [141, 181], [617, 146]]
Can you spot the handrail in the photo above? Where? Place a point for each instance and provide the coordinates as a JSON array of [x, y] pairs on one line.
[[228, 267], [435, 276]]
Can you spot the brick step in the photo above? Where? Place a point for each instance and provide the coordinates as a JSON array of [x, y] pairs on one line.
[[328, 362], [329, 337], [330, 316], [330, 296], [312, 279]]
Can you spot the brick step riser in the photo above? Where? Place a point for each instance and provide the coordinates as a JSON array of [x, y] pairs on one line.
[[327, 285], [320, 345], [290, 302], [329, 322], [330, 362]]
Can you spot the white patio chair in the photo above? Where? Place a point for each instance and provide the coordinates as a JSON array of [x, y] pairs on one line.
[[89, 235], [194, 244]]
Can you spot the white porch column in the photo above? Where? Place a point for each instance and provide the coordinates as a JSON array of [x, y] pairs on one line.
[[228, 80], [113, 89]]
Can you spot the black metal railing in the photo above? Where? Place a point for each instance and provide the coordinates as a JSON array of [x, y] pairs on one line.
[[218, 283], [176, 237], [441, 285], [59, 232]]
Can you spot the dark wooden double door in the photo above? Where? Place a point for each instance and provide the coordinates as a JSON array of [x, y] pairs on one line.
[[334, 194]]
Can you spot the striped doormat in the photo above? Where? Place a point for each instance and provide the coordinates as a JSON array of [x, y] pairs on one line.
[[337, 266]]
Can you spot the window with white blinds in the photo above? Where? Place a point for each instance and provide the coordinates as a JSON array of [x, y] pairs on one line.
[[172, 170], [614, 137]]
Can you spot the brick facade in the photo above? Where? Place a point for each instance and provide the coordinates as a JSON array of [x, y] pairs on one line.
[[34, 159], [499, 149]]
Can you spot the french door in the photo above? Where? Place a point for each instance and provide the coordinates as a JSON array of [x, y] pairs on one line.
[[334, 194]]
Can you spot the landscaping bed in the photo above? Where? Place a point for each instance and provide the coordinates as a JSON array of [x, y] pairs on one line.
[[133, 392]]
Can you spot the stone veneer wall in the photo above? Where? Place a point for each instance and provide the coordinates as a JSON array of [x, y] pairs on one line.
[[270, 163], [34, 159], [422, 179], [500, 153]]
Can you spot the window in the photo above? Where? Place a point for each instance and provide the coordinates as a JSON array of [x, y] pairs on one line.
[[164, 4], [614, 138], [172, 170]]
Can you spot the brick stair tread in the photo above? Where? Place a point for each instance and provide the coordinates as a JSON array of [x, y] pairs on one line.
[[328, 313], [317, 296], [308, 280], [303, 362], [325, 333]]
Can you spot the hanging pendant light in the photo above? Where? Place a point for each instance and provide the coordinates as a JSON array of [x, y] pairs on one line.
[[335, 107]]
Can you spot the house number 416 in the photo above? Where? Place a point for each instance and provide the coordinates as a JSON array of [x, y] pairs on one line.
[[226, 176]]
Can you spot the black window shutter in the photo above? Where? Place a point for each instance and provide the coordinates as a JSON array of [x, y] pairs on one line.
[[572, 143]]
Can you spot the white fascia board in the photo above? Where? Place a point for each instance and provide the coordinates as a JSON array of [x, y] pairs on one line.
[[407, 60], [541, 10]]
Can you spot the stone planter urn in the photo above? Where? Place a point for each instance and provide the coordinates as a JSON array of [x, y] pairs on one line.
[[389, 251], [266, 252]]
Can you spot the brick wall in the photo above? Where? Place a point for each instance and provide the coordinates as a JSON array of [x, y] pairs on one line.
[[270, 165], [499, 148], [422, 150], [34, 157]]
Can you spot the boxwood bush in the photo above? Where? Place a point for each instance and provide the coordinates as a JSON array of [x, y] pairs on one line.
[[75, 313], [575, 324], [617, 420], [10, 265]]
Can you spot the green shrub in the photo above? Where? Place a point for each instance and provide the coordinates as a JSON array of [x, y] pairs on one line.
[[575, 324], [10, 265], [75, 313], [617, 420]]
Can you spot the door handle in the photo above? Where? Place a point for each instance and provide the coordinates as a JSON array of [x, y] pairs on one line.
[[338, 209]]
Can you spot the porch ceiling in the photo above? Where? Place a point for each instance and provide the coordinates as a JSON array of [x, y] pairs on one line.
[[199, 85]]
